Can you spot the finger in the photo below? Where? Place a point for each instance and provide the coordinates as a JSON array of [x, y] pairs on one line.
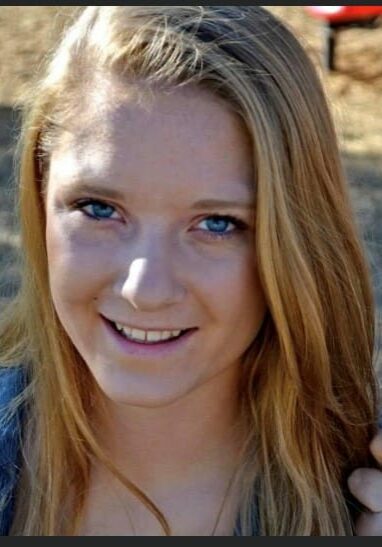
[[366, 486], [376, 447], [369, 524]]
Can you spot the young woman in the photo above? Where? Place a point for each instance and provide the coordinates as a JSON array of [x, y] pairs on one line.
[[190, 352]]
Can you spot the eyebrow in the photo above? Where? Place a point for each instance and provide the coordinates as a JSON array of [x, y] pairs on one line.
[[99, 191], [221, 203], [105, 192]]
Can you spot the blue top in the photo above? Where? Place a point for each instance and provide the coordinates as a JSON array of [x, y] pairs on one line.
[[11, 384]]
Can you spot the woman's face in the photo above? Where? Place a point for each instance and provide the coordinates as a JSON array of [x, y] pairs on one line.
[[149, 227]]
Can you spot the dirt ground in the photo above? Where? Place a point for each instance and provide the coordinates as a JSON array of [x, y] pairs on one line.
[[27, 33]]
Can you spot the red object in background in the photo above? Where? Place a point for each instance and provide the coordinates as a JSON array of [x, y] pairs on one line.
[[340, 14], [335, 18]]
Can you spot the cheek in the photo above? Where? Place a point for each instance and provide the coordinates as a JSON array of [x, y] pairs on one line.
[[74, 263], [234, 292], [247, 300]]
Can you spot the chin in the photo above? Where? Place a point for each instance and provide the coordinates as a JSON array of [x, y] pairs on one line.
[[149, 396], [144, 400]]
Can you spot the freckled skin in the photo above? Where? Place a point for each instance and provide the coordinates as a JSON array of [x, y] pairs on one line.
[[152, 264]]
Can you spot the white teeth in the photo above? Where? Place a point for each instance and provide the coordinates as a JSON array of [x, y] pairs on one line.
[[135, 334], [147, 336], [153, 337]]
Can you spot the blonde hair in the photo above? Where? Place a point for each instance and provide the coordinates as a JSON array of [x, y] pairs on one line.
[[308, 385]]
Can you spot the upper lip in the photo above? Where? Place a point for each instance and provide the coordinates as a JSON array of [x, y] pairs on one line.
[[157, 329]]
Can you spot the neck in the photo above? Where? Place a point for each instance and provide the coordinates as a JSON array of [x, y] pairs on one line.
[[196, 436]]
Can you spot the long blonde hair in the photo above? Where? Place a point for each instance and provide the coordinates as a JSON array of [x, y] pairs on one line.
[[309, 393]]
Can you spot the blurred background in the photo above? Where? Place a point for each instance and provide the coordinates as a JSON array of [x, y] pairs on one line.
[[354, 89]]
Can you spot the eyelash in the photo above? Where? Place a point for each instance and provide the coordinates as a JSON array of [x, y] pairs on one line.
[[239, 225], [80, 205]]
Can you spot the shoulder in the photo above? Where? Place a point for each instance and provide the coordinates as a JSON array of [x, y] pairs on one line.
[[12, 382]]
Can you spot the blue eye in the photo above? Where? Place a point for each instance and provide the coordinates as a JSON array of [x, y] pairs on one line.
[[96, 209], [217, 224], [223, 226]]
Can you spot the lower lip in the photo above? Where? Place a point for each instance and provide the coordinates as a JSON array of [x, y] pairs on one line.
[[159, 349]]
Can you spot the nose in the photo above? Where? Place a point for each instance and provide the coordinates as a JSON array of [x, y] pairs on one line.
[[151, 283]]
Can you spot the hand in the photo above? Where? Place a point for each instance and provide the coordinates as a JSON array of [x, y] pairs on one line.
[[366, 486]]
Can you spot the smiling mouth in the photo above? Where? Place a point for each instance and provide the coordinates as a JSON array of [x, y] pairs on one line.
[[166, 340]]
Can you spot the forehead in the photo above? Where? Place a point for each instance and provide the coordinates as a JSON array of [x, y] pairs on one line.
[[187, 136]]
